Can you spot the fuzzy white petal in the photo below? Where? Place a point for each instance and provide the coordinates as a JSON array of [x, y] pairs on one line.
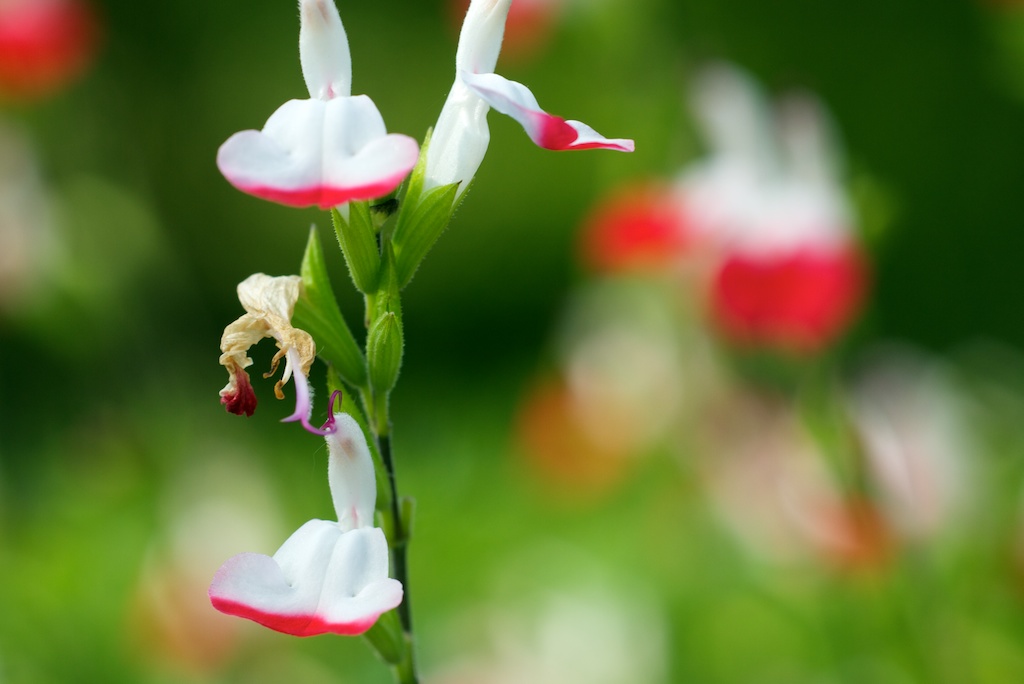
[[481, 35], [350, 473], [312, 152], [546, 130], [320, 580], [323, 50]]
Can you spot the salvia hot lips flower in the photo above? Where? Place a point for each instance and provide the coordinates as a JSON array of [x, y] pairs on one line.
[[460, 137], [269, 303], [791, 274], [328, 576], [330, 149]]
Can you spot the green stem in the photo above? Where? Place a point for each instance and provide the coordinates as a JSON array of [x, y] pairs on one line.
[[405, 670], [400, 545]]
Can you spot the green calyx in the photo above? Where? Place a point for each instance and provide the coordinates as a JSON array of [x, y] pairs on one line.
[[355, 226], [317, 313], [421, 220]]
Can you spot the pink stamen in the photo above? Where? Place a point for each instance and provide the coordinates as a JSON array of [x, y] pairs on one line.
[[328, 427], [304, 401]]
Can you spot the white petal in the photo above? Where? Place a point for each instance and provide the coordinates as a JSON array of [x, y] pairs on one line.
[[735, 118], [356, 585], [350, 473], [546, 130], [312, 152], [320, 580], [459, 140], [481, 35], [323, 50], [809, 142]]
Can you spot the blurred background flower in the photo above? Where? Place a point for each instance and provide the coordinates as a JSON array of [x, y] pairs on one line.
[[44, 44], [623, 473]]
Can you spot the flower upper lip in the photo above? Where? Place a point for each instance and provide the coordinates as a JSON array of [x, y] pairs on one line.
[[323, 50]]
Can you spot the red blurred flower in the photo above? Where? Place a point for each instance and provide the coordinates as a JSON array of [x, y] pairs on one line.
[[797, 301], [44, 44], [639, 227]]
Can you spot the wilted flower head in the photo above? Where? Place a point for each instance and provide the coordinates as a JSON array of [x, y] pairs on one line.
[[269, 303]]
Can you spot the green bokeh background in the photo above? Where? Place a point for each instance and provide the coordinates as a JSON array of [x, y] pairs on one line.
[[109, 386]]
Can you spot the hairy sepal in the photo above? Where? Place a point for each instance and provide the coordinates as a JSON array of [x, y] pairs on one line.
[[317, 312], [358, 239]]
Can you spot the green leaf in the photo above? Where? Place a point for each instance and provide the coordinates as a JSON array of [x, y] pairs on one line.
[[317, 313], [389, 294], [422, 217], [421, 220], [358, 239]]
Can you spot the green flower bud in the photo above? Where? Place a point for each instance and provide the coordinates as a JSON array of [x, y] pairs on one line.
[[384, 348]]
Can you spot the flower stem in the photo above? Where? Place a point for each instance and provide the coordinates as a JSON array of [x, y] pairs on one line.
[[405, 671]]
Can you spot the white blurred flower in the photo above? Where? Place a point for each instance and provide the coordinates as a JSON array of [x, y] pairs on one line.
[[621, 355], [28, 247], [913, 431]]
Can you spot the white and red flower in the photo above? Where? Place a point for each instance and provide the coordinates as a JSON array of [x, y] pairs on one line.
[[328, 577], [461, 135], [325, 151], [791, 274]]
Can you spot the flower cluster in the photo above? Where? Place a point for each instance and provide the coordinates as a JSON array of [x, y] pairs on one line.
[[764, 218], [333, 151]]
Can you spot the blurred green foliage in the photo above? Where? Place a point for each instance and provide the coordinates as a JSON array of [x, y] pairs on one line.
[[108, 404]]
